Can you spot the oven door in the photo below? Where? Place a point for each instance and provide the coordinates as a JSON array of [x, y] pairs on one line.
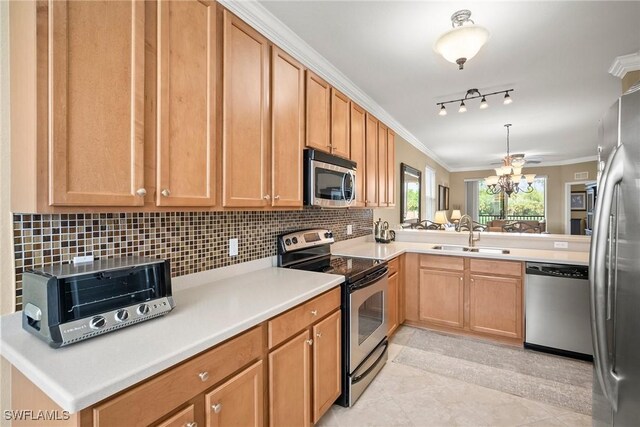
[[331, 185], [367, 315]]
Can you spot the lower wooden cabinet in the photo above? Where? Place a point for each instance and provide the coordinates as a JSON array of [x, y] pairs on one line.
[[184, 418], [442, 297], [392, 304], [239, 401], [495, 305], [327, 356]]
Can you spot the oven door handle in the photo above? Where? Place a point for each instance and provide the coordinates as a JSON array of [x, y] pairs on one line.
[[368, 280], [359, 378]]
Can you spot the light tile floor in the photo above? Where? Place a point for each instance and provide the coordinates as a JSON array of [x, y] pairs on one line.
[[405, 396]]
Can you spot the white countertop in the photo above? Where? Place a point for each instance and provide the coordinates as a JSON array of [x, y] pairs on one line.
[[387, 251], [85, 373]]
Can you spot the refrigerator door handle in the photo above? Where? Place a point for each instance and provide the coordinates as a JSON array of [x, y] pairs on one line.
[[611, 177]]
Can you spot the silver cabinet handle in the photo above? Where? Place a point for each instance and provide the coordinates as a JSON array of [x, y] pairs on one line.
[[461, 279], [319, 334], [314, 312], [191, 424], [310, 342], [165, 192], [217, 408], [611, 177], [276, 197], [267, 197], [204, 376], [141, 192]]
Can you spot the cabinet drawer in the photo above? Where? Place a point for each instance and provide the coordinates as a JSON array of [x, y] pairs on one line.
[[393, 266], [442, 262], [296, 319], [171, 389], [504, 268], [181, 419]]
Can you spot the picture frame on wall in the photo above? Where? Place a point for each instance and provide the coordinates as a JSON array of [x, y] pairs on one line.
[[578, 200], [443, 198]]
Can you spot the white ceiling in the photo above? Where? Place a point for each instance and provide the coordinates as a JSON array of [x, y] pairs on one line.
[[556, 55]]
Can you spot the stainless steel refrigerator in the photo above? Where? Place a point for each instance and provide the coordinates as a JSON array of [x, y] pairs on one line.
[[614, 275]]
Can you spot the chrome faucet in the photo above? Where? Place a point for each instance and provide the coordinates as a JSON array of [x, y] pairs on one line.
[[468, 221]]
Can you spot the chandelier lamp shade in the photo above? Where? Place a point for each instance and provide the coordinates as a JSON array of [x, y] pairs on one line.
[[509, 178], [464, 41], [475, 94]]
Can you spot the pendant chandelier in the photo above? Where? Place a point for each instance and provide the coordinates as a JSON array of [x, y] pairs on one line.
[[508, 178], [464, 41]]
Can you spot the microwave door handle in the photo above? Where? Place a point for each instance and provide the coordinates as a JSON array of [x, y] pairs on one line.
[[611, 177], [353, 186], [344, 197]]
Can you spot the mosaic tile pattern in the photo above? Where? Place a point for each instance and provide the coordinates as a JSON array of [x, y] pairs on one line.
[[192, 241]]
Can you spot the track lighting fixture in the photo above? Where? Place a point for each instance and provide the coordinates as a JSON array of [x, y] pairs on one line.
[[473, 94]]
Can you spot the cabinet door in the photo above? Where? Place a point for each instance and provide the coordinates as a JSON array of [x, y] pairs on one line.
[[382, 165], [290, 383], [287, 129], [237, 402], [371, 169], [327, 349], [181, 419], [339, 124], [392, 304], [186, 103], [318, 113], [391, 168], [245, 118], [357, 146], [96, 116], [442, 298], [495, 305]]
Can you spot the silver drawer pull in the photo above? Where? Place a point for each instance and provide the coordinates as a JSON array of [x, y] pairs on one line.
[[204, 376], [267, 197], [310, 342], [319, 334], [191, 424], [314, 312], [217, 408], [276, 197]]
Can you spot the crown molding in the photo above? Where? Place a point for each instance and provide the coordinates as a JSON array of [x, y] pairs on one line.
[[625, 63], [256, 15], [539, 165]]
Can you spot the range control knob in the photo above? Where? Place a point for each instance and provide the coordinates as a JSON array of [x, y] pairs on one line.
[[328, 235], [287, 242], [295, 240], [142, 309], [121, 315], [98, 322]]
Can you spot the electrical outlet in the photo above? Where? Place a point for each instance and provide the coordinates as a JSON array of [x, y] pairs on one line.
[[561, 245], [349, 229], [233, 247]]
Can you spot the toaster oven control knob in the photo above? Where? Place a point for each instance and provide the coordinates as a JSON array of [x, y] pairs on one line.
[[98, 322], [121, 315], [143, 309]]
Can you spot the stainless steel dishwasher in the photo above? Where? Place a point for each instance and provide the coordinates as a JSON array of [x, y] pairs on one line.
[[557, 315]]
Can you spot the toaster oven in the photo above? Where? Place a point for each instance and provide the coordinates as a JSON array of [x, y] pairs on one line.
[[64, 304]]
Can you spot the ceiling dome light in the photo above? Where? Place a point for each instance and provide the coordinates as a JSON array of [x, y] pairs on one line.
[[463, 108], [464, 41], [507, 99], [484, 104]]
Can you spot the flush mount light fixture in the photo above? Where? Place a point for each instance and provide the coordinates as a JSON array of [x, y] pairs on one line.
[[473, 94], [508, 177], [464, 41]]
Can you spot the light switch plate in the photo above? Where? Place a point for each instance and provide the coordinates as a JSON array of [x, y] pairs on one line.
[[561, 245], [349, 229], [233, 247]]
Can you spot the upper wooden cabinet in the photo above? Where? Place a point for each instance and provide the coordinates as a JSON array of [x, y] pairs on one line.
[[318, 113], [382, 165], [357, 131], [245, 123], [391, 168], [186, 102], [287, 129], [96, 103], [340, 104], [371, 170]]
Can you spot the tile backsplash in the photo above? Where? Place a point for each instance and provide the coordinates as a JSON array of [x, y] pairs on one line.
[[192, 241]]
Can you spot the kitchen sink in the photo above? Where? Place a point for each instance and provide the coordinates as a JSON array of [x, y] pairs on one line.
[[455, 248], [490, 250]]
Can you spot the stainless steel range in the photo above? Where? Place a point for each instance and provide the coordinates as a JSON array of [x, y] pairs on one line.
[[364, 296]]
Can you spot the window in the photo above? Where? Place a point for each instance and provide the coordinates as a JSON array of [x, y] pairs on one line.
[[430, 192], [520, 206]]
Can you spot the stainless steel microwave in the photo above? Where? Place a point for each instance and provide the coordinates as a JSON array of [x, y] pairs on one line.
[[329, 181]]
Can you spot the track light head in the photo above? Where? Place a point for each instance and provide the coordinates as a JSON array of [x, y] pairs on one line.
[[484, 104], [443, 111], [463, 108], [507, 98]]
